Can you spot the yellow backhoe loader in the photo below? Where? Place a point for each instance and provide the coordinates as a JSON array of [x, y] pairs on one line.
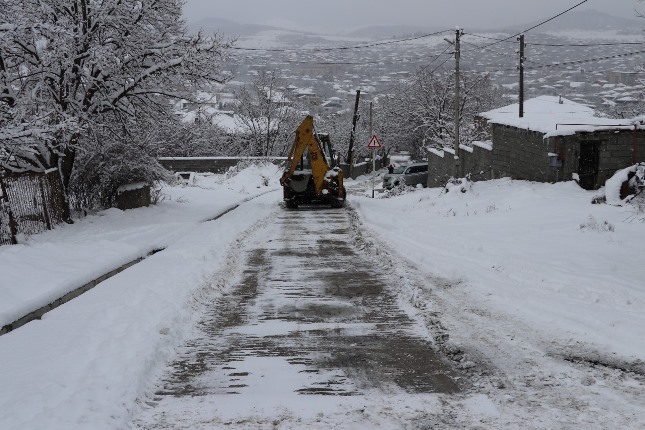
[[310, 176]]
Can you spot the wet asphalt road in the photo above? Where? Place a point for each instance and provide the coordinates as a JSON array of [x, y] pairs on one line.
[[311, 316]]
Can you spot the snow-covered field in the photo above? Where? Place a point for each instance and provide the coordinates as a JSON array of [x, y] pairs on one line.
[[534, 289]]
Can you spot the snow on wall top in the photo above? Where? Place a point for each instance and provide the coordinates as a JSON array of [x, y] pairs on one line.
[[554, 116]]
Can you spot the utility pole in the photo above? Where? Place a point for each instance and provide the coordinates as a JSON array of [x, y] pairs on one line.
[[350, 152], [373, 153], [521, 39], [458, 34], [371, 134]]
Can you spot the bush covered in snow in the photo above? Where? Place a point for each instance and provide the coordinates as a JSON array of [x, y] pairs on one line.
[[625, 186], [458, 185], [397, 190], [99, 173], [592, 224]]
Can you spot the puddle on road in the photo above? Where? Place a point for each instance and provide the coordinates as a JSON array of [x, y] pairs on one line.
[[319, 308]]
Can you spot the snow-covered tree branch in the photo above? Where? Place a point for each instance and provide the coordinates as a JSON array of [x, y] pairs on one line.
[[65, 64]]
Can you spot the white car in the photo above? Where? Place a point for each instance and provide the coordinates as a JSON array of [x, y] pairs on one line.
[[409, 174]]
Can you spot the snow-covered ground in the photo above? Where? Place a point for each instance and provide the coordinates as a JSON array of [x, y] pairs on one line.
[[534, 287], [541, 253]]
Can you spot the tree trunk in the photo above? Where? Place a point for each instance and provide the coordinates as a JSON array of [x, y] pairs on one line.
[[65, 168]]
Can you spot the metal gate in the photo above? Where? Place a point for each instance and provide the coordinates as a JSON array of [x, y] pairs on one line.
[[30, 203]]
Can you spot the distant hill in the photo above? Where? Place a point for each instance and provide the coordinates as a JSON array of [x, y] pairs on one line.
[[227, 27], [586, 20], [389, 31]]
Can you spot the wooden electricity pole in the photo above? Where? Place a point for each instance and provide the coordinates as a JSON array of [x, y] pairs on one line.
[[521, 39], [458, 34], [350, 152]]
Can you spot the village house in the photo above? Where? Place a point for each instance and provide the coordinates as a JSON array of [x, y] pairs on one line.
[[556, 139]]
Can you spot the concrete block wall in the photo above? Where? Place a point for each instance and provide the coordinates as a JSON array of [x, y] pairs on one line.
[[360, 168], [616, 152], [441, 166], [136, 197], [210, 164], [520, 154], [475, 160]]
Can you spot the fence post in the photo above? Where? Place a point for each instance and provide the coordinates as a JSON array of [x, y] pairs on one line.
[[41, 179], [13, 229]]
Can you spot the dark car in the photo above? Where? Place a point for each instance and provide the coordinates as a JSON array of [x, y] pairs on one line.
[[409, 174]]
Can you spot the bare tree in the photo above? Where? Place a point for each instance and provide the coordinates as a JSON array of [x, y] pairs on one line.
[[421, 112], [266, 115]]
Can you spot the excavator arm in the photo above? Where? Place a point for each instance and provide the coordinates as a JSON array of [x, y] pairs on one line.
[[306, 140]]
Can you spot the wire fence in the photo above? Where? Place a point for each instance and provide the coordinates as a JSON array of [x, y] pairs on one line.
[[30, 203]]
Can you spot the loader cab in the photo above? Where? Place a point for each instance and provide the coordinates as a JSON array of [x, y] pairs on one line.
[[325, 144]]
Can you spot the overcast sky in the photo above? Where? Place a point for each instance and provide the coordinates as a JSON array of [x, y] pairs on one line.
[[353, 14]]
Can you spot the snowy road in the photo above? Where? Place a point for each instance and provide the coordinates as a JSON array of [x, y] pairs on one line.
[[312, 334]]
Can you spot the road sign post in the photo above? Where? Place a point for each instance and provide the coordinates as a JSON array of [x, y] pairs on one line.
[[374, 144]]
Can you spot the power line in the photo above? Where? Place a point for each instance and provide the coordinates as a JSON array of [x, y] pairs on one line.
[[423, 68], [537, 25], [590, 60], [343, 48], [555, 44], [586, 44], [440, 65], [479, 48]]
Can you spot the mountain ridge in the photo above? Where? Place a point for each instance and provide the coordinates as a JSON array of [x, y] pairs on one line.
[[585, 20]]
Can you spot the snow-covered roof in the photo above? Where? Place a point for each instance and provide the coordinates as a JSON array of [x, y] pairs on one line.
[[305, 91], [227, 122], [554, 116]]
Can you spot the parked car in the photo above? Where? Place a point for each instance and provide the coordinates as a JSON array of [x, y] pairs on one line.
[[409, 174]]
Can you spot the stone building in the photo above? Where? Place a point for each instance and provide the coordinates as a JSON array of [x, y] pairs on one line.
[[556, 139]]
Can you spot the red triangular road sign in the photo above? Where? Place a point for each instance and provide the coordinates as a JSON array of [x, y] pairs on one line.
[[374, 143]]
